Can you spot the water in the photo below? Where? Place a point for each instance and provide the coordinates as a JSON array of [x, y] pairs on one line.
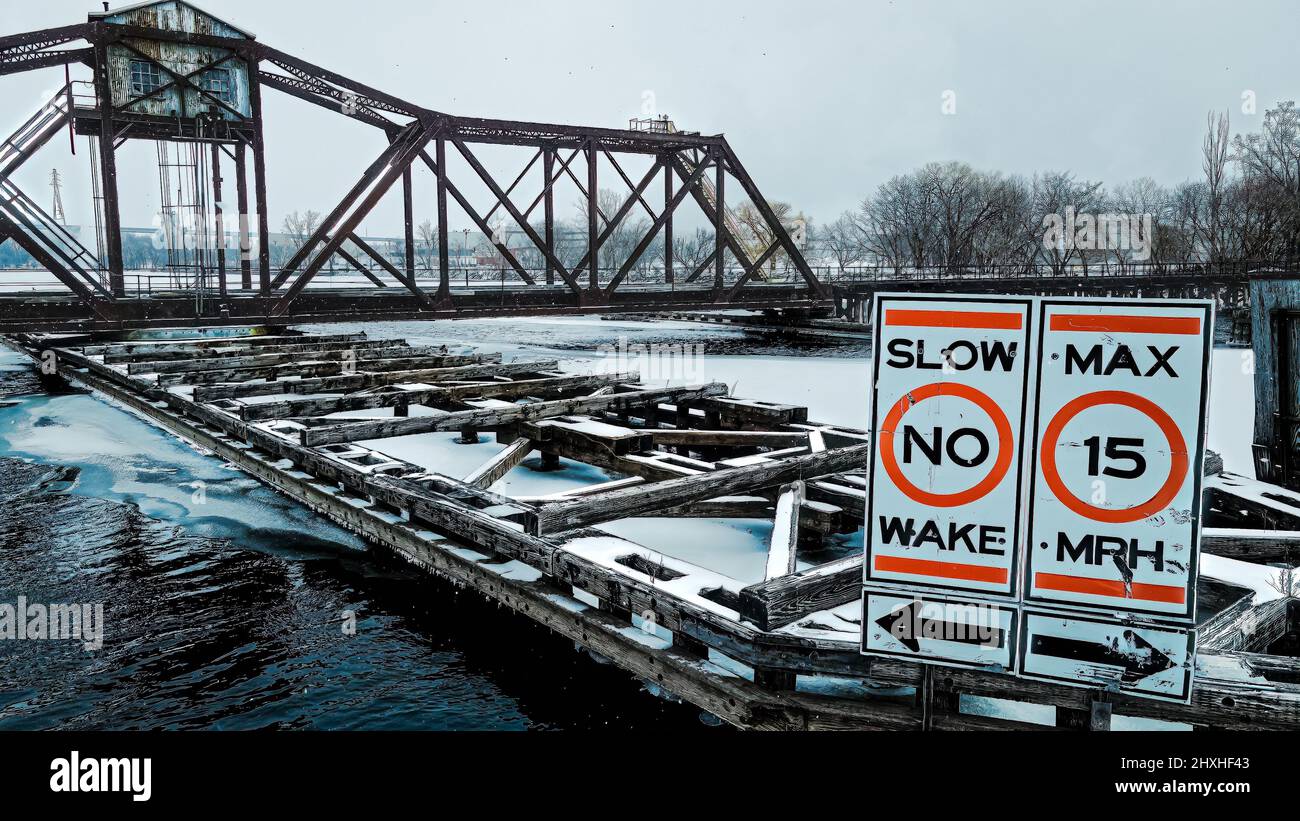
[[224, 600]]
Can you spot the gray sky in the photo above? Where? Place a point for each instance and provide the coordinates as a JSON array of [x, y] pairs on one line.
[[822, 100]]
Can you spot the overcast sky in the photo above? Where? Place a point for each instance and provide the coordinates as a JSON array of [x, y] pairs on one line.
[[821, 100]]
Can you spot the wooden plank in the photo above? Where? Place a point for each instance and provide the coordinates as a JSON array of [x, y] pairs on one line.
[[1258, 546], [777, 602], [587, 490], [258, 359], [482, 419], [633, 501], [248, 350], [319, 369], [747, 413], [584, 437], [362, 381], [722, 438], [1250, 627], [499, 465], [816, 442], [546, 386], [785, 532], [174, 345]]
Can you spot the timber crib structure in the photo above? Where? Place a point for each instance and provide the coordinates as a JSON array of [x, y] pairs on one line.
[[781, 653]]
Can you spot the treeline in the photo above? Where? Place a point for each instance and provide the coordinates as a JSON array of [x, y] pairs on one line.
[[1245, 207]]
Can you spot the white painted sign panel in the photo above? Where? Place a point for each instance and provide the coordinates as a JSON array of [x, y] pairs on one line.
[[950, 385], [1153, 661], [939, 630], [1118, 442]]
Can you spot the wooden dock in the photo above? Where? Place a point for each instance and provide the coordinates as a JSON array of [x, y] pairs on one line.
[[781, 653]]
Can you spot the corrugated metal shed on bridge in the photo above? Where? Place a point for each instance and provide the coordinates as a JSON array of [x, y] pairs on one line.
[[143, 71]]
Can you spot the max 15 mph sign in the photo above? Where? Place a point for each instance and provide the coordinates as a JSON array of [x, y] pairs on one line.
[[1035, 486], [1119, 437]]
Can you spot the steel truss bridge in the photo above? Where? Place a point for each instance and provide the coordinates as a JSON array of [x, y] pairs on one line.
[[246, 289], [685, 166]]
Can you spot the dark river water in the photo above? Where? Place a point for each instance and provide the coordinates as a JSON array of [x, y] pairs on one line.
[[224, 601]]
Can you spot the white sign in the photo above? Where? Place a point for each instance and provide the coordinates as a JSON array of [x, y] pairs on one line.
[[1115, 501], [948, 415], [1141, 659], [963, 633]]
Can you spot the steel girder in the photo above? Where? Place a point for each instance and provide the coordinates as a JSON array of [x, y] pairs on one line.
[[410, 128]]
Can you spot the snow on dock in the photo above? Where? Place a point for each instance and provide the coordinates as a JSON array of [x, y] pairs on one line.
[[622, 515]]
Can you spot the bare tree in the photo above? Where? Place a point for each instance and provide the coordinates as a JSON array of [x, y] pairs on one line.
[[426, 244], [301, 226], [1214, 162], [844, 240]]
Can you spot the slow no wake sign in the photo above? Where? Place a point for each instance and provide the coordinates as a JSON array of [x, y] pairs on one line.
[[1035, 482], [948, 412]]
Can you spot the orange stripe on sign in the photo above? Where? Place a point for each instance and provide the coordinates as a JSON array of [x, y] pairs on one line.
[[945, 570], [953, 319], [1127, 324], [1106, 587]]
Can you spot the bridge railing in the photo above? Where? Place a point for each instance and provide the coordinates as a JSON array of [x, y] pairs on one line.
[[1232, 269]]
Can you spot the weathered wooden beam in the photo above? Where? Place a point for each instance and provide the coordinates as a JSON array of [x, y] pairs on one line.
[[774, 603], [321, 369], [362, 381], [721, 438], [751, 413], [1258, 546], [833, 436], [259, 360], [545, 386], [785, 532], [481, 419], [586, 436], [814, 517], [833, 491], [499, 465], [248, 350], [175, 345], [586, 490], [1247, 627], [643, 499]]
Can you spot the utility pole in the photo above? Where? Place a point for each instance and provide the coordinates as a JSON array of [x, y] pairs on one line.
[[56, 184]]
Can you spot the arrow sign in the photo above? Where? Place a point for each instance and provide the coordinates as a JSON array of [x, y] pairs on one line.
[[1132, 654], [959, 632], [907, 625], [1150, 660]]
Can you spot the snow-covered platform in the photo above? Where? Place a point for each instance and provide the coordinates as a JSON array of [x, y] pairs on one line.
[[600, 506]]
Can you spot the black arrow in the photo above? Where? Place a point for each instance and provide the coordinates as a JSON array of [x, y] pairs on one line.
[[1132, 654], [938, 628]]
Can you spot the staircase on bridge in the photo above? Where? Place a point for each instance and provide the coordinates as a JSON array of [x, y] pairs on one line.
[[27, 224], [663, 125]]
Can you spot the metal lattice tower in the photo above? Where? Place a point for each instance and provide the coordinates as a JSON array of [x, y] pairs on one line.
[[56, 208]]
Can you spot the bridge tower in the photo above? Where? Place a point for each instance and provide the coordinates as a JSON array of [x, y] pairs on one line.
[[169, 71]]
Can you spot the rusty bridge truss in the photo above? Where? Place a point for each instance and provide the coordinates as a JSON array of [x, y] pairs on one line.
[[246, 288]]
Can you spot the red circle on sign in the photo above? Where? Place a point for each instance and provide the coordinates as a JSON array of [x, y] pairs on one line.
[[1177, 448], [914, 397]]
